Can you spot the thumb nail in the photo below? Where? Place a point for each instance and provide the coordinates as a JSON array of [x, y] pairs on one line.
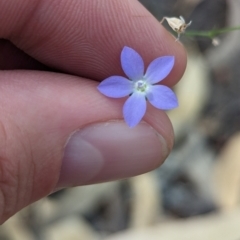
[[110, 151]]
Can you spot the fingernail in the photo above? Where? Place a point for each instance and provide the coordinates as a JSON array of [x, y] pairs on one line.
[[110, 151]]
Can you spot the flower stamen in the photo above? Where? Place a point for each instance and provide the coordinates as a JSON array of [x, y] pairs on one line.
[[141, 86]]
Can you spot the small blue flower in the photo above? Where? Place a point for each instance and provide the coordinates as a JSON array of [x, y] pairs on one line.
[[140, 87]]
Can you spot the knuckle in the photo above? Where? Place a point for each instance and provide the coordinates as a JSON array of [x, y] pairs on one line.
[[8, 191], [12, 185], [7, 178]]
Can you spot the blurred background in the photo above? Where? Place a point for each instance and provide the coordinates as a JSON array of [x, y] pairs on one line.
[[195, 195]]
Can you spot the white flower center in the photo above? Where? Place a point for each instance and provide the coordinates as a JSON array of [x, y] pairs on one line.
[[141, 86]]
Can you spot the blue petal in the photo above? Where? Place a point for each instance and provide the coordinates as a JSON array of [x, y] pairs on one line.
[[116, 87], [132, 63], [162, 97], [134, 109], [159, 69]]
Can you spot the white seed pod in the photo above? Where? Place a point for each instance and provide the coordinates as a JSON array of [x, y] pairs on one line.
[[177, 24]]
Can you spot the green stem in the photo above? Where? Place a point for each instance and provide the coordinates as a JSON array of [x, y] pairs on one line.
[[211, 34]]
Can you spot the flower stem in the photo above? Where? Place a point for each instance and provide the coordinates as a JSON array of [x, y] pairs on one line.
[[212, 33]]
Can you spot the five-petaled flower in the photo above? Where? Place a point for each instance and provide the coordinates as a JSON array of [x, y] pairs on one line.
[[140, 87]]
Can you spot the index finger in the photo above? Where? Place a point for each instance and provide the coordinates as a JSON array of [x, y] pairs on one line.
[[85, 37]]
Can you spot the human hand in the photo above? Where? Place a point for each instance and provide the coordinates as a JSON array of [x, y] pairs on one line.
[[56, 129]]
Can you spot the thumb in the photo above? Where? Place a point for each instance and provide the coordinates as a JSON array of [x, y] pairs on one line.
[[50, 138]]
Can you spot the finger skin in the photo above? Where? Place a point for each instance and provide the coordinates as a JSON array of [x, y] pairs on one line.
[[40, 111], [86, 37]]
